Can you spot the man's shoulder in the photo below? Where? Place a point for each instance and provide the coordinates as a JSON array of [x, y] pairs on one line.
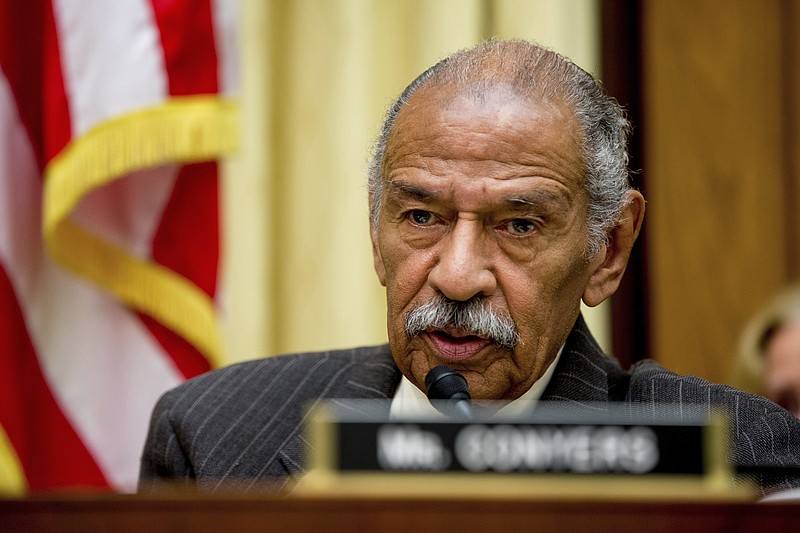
[[306, 376], [649, 379], [244, 421], [763, 434], [651, 382]]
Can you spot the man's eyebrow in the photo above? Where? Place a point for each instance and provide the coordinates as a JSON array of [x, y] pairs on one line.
[[406, 189], [534, 199]]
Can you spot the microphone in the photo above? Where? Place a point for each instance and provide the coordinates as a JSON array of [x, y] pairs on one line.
[[444, 383]]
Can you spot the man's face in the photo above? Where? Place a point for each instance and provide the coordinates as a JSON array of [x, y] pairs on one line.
[[483, 198]]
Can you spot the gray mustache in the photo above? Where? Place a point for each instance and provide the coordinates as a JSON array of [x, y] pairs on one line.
[[475, 317]]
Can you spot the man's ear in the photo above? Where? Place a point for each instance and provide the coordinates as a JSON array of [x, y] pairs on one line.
[[609, 265], [377, 259]]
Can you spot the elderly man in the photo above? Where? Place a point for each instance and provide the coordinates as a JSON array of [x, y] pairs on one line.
[[499, 199]]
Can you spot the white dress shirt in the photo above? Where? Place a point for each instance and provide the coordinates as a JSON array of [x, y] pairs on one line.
[[410, 402]]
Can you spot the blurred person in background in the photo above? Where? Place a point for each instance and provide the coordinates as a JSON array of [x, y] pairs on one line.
[[768, 358]]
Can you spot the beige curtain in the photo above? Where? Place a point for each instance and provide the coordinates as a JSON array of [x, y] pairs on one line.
[[317, 76]]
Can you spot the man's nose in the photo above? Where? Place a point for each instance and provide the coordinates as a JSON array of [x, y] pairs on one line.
[[463, 268]]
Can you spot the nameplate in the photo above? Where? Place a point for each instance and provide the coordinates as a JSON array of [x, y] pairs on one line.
[[351, 439]]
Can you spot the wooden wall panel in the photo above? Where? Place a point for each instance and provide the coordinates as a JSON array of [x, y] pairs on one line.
[[791, 68], [718, 171]]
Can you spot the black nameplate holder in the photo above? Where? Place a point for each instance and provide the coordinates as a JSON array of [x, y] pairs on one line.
[[612, 449]]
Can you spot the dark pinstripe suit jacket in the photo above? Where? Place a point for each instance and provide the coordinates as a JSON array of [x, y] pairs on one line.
[[242, 425]]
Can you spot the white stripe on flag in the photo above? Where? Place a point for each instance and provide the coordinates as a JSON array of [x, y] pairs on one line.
[[111, 57]]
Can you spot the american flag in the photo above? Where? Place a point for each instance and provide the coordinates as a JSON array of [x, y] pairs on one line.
[[112, 117]]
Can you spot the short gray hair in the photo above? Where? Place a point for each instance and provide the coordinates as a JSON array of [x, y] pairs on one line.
[[534, 71]]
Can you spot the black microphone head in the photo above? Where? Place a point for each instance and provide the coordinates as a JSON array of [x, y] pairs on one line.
[[444, 383]]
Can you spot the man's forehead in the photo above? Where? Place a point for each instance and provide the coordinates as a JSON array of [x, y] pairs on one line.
[[491, 97], [506, 136], [444, 109], [482, 195]]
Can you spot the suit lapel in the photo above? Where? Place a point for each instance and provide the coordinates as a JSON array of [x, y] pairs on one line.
[[377, 377], [584, 375]]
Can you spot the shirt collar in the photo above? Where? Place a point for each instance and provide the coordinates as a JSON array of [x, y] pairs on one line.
[[410, 402]]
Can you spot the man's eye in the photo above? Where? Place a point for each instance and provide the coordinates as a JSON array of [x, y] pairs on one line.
[[520, 226], [420, 217]]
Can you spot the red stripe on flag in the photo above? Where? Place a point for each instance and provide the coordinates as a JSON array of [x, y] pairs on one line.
[[51, 453], [57, 126], [190, 222], [187, 37], [21, 30], [187, 239], [30, 60]]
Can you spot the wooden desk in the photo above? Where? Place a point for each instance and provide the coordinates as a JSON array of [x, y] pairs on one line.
[[406, 514]]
